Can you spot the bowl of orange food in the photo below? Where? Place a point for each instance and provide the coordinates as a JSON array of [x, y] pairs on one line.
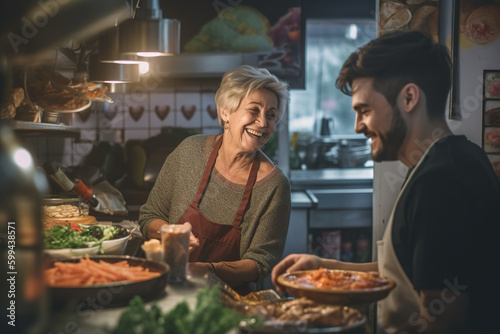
[[337, 287], [114, 279]]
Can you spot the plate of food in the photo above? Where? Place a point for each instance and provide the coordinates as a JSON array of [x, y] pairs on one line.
[[337, 287], [302, 315], [61, 240], [63, 99], [114, 279]]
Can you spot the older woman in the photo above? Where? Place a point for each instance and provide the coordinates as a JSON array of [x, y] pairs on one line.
[[236, 199]]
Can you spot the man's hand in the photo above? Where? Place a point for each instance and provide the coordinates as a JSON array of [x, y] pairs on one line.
[[294, 262]]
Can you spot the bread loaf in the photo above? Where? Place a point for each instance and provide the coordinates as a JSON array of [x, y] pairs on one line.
[[425, 19]]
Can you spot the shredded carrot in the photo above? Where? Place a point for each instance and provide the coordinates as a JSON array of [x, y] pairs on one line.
[[87, 272]]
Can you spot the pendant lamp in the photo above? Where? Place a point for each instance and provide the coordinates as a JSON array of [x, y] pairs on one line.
[[109, 49], [112, 72], [148, 34]]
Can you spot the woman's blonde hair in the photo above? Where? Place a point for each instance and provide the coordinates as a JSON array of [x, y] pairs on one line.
[[240, 82]]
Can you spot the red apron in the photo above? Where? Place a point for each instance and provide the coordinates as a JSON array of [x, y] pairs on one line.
[[218, 242]]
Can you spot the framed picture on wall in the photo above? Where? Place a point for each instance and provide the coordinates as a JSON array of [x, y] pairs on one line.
[[495, 162], [474, 44], [491, 111], [268, 34], [408, 15]]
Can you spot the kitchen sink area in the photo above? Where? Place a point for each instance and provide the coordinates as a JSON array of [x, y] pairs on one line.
[[332, 213]]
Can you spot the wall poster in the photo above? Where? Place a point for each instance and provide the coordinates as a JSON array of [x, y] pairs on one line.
[[491, 117], [420, 15], [476, 26], [269, 34]]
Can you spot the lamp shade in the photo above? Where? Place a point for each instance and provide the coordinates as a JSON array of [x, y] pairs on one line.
[[109, 49], [112, 72], [147, 37]]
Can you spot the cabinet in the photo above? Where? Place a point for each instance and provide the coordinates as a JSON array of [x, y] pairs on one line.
[[340, 226], [302, 204]]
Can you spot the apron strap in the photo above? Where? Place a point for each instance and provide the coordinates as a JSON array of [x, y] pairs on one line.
[[208, 171], [248, 190], [252, 178]]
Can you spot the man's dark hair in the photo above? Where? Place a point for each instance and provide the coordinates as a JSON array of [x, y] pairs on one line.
[[396, 59]]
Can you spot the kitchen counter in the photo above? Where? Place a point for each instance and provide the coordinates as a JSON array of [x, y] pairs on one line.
[[98, 319], [328, 177], [303, 200]]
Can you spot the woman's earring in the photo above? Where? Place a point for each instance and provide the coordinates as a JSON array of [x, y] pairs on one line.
[[225, 126]]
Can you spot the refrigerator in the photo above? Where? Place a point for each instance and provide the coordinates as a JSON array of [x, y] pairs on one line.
[[475, 93]]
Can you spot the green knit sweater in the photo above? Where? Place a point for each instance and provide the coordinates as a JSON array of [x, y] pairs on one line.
[[265, 223]]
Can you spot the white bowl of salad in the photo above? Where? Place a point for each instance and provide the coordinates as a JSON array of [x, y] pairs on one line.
[[115, 246], [72, 252], [76, 239]]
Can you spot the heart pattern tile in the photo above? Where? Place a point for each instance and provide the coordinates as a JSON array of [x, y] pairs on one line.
[[110, 112], [162, 111], [188, 112], [212, 111], [85, 114], [136, 112]]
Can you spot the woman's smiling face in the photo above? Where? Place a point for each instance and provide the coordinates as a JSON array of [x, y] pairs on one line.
[[253, 123]]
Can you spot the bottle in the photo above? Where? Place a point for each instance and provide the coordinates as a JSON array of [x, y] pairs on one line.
[[74, 185], [24, 303], [363, 252]]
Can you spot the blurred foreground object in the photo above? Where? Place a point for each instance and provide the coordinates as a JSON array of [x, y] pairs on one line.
[[23, 297]]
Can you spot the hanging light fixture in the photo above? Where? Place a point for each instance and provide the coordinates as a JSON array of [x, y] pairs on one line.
[[112, 72], [109, 49], [147, 34]]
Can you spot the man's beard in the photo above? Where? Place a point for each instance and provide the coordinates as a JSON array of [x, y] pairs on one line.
[[391, 142]]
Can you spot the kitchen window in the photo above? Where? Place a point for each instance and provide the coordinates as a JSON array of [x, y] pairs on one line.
[[321, 110]]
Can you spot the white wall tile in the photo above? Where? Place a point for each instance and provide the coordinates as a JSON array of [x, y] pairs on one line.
[[112, 115], [188, 108], [136, 108], [82, 148], [111, 135], [162, 109], [154, 132], [86, 119], [208, 110], [182, 122], [136, 134]]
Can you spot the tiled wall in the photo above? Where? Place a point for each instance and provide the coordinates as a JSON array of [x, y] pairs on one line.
[[139, 114]]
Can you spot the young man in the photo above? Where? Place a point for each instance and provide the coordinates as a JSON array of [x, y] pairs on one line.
[[439, 242]]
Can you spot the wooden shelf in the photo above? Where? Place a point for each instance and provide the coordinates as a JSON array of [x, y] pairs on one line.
[[45, 129]]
